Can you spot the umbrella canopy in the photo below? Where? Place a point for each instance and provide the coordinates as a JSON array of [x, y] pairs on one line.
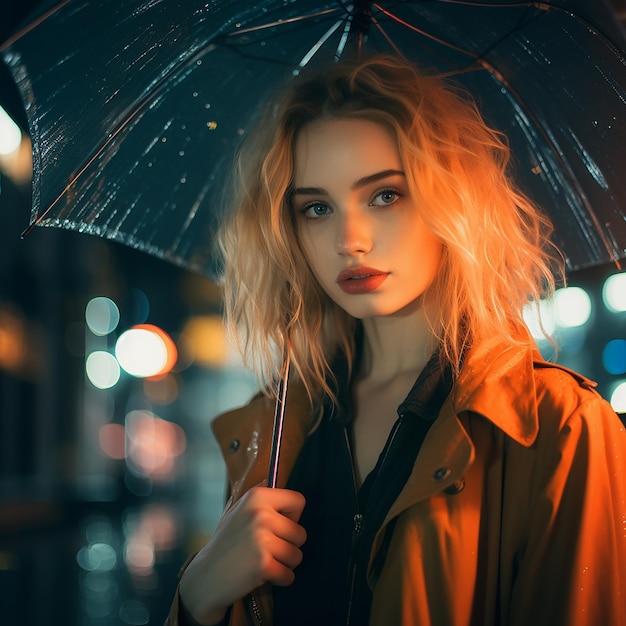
[[136, 108]]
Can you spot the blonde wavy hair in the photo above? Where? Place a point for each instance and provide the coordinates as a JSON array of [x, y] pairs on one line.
[[497, 255]]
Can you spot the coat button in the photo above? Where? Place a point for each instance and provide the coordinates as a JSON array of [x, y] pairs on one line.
[[455, 488], [441, 473], [234, 445]]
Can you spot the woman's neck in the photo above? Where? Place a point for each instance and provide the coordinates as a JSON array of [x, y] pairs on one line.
[[395, 345]]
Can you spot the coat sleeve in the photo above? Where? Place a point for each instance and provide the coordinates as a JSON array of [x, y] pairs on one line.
[[571, 566]]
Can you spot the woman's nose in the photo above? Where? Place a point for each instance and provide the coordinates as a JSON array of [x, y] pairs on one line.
[[353, 234]]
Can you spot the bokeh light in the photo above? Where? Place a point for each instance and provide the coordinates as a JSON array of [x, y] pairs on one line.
[[207, 336], [614, 293], [572, 307], [614, 357], [153, 445], [13, 339], [10, 134], [102, 316], [139, 554], [102, 369], [97, 556], [149, 532], [618, 398], [146, 350]]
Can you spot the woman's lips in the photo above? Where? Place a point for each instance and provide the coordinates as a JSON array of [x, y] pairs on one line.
[[361, 280]]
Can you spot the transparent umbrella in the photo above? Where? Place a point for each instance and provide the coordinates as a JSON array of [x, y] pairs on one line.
[[136, 108]]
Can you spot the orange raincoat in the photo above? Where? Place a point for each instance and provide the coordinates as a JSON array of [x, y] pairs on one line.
[[514, 514]]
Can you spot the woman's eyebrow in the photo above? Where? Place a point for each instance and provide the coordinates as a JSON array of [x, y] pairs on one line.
[[308, 191], [372, 178], [362, 182]]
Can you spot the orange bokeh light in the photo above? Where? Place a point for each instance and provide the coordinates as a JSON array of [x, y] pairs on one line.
[[170, 347], [153, 444]]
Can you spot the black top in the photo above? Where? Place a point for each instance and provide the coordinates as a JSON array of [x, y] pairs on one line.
[[341, 520]]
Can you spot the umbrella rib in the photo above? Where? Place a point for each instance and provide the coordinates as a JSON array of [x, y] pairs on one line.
[[41, 18], [290, 20], [321, 41], [415, 29], [389, 40], [342, 42]]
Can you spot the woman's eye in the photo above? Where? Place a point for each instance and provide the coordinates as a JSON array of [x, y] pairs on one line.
[[386, 197], [313, 211]]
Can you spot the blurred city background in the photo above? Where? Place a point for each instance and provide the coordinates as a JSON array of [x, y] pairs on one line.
[[112, 365]]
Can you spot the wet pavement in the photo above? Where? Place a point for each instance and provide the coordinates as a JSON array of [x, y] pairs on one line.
[[98, 567]]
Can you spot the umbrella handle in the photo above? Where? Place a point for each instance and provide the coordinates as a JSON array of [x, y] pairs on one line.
[[279, 419]]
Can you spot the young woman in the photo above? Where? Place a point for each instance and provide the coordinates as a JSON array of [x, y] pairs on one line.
[[436, 471]]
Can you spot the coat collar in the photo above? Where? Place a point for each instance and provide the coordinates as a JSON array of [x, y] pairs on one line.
[[497, 381]]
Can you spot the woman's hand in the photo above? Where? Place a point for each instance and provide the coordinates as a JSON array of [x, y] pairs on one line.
[[257, 540]]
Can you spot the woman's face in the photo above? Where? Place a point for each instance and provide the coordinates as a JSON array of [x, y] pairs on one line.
[[359, 227]]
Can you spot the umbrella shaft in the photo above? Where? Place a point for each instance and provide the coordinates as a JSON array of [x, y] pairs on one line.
[[279, 419]]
